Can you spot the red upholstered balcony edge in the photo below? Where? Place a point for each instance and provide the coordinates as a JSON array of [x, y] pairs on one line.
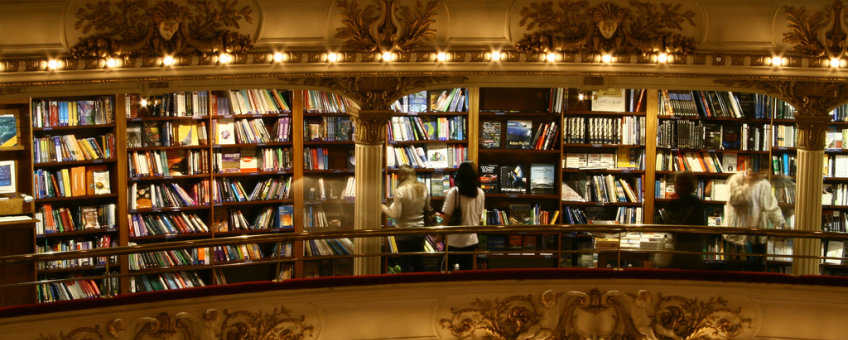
[[471, 275]]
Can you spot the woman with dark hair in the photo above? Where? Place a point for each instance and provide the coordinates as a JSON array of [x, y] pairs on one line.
[[468, 197], [410, 200], [687, 209]]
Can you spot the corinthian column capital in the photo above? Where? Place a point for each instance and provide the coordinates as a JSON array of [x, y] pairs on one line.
[[370, 126]]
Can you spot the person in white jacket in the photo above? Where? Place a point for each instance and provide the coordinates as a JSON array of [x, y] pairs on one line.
[[411, 199], [751, 204]]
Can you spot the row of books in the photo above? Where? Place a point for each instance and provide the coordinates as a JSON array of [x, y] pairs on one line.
[[430, 244], [628, 130], [707, 189], [835, 194], [835, 166], [449, 100], [316, 101], [623, 158], [102, 241], [669, 160], [840, 114], [168, 163], [167, 259], [252, 160], [335, 188], [165, 224], [152, 134], [65, 219], [521, 135], [67, 148], [517, 214], [328, 129], [710, 104], [618, 100], [316, 158], [783, 164], [253, 102], [328, 247], [315, 218], [834, 221], [515, 178], [602, 189], [417, 128], [273, 188], [250, 131], [72, 182], [628, 215], [785, 136], [437, 183], [69, 290], [178, 104], [238, 253], [165, 281], [265, 219], [836, 138], [169, 195], [56, 113], [436, 156]]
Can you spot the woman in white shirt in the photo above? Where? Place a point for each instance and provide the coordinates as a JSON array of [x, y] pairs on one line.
[[751, 204], [471, 201], [410, 200]]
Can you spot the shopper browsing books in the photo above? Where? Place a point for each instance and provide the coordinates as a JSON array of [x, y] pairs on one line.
[[751, 204], [470, 199], [410, 201], [686, 209]]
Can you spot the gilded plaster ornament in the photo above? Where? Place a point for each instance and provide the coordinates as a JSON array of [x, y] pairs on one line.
[[817, 34], [411, 31], [575, 26], [597, 315], [132, 28]]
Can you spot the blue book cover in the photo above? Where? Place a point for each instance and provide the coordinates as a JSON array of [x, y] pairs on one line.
[[518, 134], [542, 178], [285, 215], [418, 102], [8, 131]]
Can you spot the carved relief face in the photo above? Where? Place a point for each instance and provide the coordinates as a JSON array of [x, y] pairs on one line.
[[168, 28], [608, 27]]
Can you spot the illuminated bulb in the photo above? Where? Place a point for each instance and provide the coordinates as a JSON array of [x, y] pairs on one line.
[[168, 60], [278, 57], [496, 55], [388, 56], [834, 62], [606, 58], [332, 57], [143, 102], [551, 57], [580, 96], [225, 58], [111, 62], [52, 64], [662, 58], [442, 56]]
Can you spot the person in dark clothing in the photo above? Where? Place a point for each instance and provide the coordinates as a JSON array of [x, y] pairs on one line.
[[687, 209]]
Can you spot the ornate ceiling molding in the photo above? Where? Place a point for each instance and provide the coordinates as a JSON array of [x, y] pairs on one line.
[[598, 315], [411, 31], [817, 34], [608, 27], [378, 93], [131, 28], [213, 324]]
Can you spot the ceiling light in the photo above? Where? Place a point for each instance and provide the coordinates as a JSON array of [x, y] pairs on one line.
[[442, 56], [225, 58], [111, 62], [332, 57], [551, 57], [606, 58], [278, 57], [53, 64], [168, 60], [662, 58]]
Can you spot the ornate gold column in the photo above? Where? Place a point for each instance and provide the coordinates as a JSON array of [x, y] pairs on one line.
[[370, 137]]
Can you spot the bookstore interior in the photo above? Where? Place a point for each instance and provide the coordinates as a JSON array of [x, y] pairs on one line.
[[216, 125]]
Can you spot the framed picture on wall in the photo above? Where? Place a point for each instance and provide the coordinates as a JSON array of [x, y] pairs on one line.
[[7, 177]]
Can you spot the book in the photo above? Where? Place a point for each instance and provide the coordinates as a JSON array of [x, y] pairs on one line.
[[88, 218], [489, 178], [609, 100], [542, 178], [101, 182], [437, 156], [417, 102], [143, 197], [151, 135], [8, 131], [134, 136], [226, 131], [490, 135], [187, 134], [520, 214], [513, 178], [731, 138], [729, 162], [519, 134], [78, 184], [230, 162], [248, 161], [285, 216]]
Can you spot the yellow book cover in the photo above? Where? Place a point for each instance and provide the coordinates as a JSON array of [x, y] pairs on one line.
[[187, 134], [66, 182]]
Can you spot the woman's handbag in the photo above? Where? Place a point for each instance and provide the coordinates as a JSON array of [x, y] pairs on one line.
[[430, 215]]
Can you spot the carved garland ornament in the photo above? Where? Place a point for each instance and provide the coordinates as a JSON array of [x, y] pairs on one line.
[[214, 324], [360, 34], [805, 31], [597, 315], [132, 28], [577, 27]]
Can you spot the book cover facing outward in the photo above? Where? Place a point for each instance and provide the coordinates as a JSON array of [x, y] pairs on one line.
[[542, 178], [285, 215], [8, 131], [490, 135], [519, 134], [489, 178], [513, 178]]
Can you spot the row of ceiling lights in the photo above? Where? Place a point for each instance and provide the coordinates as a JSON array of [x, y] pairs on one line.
[[333, 57]]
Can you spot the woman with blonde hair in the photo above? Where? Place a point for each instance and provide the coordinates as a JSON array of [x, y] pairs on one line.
[[411, 199]]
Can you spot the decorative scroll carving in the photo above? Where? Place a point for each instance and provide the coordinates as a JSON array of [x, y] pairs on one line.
[[577, 27], [260, 325], [377, 93], [596, 315], [92, 333], [411, 31], [805, 31], [132, 28]]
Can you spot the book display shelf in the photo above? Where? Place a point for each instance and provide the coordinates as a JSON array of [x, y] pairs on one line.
[[429, 133], [17, 226], [328, 182]]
